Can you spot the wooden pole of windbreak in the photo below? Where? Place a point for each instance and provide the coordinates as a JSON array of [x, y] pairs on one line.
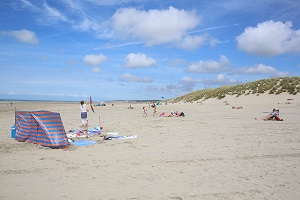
[[15, 114], [87, 128]]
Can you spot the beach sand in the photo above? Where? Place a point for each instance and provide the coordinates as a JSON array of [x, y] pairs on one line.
[[214, 152]]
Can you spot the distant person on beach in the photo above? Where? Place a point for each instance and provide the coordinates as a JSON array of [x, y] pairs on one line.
[[237, 107], [130, 107], [84, 112], [154, 109], [145, 112], [226, 103], [172, 114], [274, 115]]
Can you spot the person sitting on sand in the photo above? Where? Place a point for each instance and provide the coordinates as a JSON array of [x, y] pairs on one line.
[[273, 115], [130, 107]]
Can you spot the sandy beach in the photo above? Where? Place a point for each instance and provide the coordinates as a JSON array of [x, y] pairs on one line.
[[214, 152]]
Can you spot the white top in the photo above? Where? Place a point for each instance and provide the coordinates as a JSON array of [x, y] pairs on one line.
[[83, 108]]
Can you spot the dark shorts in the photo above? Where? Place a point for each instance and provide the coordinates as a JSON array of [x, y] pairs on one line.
[[83, 115]]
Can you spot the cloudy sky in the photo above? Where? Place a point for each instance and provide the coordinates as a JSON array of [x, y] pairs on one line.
[[142, 49]]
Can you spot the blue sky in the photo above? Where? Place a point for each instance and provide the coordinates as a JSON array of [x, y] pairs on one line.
[[137, 49]]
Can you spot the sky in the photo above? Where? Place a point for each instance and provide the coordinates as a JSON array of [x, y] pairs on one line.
[[69, 50]]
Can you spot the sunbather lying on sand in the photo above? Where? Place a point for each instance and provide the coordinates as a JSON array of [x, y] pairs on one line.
[[237, 107], [173, 114]]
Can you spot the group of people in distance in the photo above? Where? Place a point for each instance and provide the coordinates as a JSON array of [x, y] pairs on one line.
[[154, 110], [163, 114], [274, 115]]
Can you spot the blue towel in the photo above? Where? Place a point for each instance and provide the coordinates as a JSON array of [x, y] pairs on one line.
[[83, 143]]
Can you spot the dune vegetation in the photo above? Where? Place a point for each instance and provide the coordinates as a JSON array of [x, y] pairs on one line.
[[275, 86]]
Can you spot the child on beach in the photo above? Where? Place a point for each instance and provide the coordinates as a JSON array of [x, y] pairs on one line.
[[145, 112], [84, 111]]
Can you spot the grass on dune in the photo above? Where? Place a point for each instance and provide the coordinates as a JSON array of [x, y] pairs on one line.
[[290, 85]]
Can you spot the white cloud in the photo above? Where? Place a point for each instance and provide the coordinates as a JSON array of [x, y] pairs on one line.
[[96, 69], [85, 25], [45, 94], [170, 89], [24, 36], [110, 2], [54, 14], [177, 62], [29, 5], [270, 39], [210, 66], [131, 78], [72, 62], [47, 14], [133, 60], [220, 80], [192, 42], [94, 60], [188, 80], [154, 26], [110, 46], [261, 69]]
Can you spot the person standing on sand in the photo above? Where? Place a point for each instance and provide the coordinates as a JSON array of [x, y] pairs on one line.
[[145, 112], [84, 111], [154, 109]]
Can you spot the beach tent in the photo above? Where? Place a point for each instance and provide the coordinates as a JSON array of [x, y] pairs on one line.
[[41, 127]]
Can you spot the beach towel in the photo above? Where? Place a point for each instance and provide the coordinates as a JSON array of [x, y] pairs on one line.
[[117, 137], [83, 143], [78, 132]]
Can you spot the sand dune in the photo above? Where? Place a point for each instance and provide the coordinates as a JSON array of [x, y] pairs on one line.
[[214, 152]]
